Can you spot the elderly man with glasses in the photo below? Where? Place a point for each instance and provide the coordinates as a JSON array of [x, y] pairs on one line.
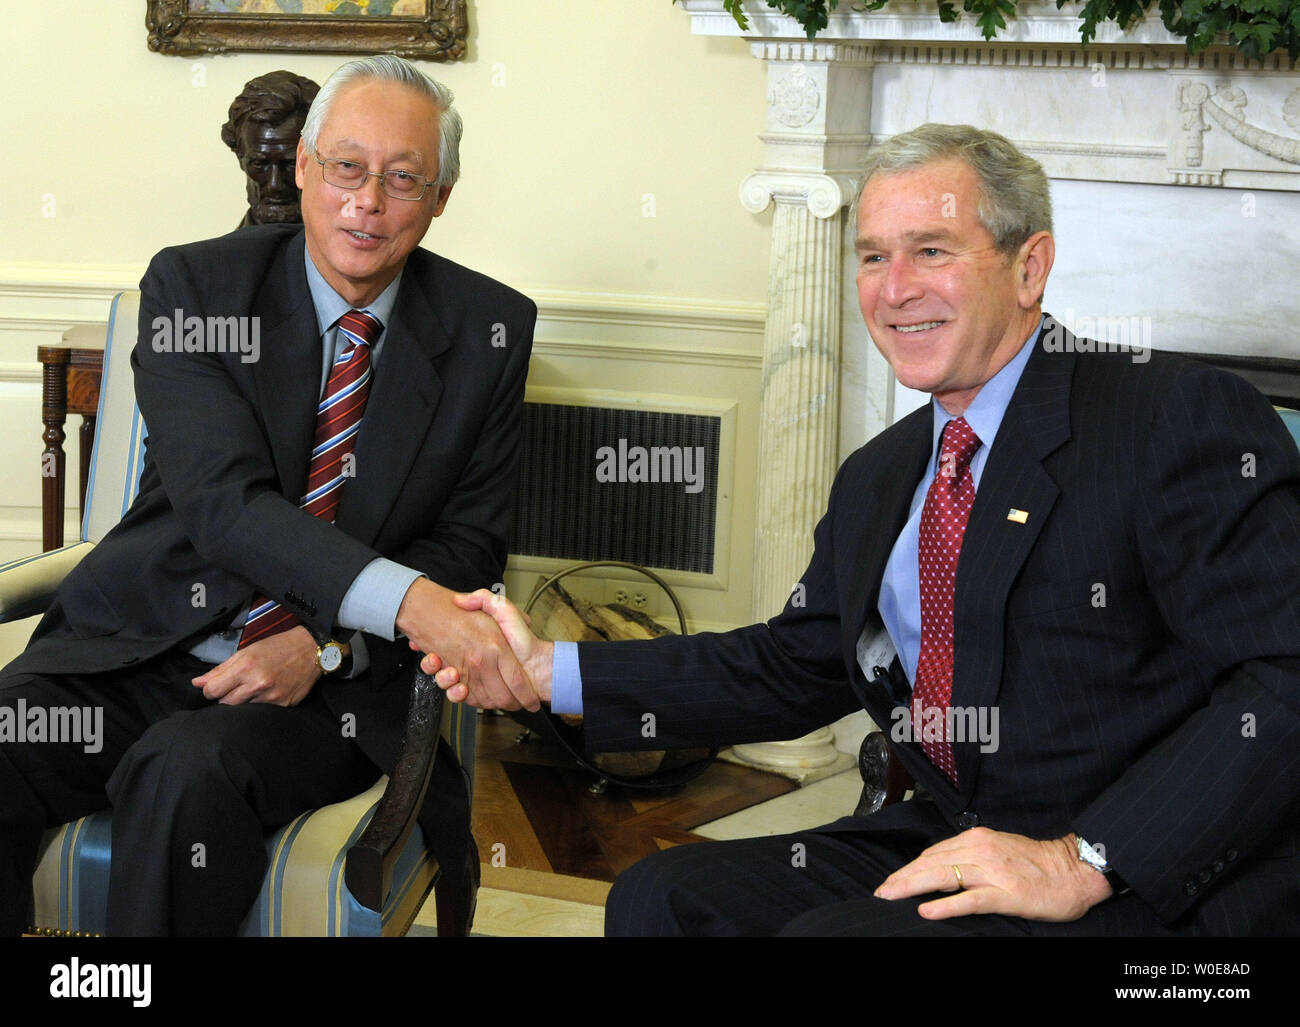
[[327, 496]]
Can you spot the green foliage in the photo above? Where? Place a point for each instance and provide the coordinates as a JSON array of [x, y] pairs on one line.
[[1255, 27], [732, 7]]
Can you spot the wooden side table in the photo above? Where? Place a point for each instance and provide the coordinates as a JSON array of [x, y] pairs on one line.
[[70, 378]]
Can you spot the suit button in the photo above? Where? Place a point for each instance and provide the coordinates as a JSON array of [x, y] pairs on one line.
[[1218, 866], [968, 818], [1191, 888], [1204, 876], [1231, 854]]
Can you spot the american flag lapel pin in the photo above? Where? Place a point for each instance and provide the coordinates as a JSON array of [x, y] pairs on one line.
[[1019, 516]]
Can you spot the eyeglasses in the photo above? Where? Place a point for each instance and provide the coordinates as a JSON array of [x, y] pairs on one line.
[[348, 174]]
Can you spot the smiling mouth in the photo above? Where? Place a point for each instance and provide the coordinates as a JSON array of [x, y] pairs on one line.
[[922, 327], [363, 236]]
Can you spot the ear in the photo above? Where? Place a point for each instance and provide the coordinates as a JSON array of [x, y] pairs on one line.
[[1033, 265], [300, 165], [440, 200]]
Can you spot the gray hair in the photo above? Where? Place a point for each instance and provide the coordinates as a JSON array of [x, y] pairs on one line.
[[389, 68], [1015, 200]]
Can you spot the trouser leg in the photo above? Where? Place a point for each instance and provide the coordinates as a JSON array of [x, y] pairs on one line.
[[750, 887], [239, 770], [786, 884], [22, 819], [445, 820], [62, 737], [193, 800]]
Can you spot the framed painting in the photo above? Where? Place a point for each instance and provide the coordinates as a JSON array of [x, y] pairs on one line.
[[431, 30]]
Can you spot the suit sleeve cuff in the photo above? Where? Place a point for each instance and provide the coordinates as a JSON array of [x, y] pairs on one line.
[[360, 655], [566, 679], [374, 597]]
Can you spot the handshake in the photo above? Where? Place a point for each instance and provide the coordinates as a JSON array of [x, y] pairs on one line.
[[478, 647]]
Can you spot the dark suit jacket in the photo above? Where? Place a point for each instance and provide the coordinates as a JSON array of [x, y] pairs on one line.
[[227, 454], [1139, 636]]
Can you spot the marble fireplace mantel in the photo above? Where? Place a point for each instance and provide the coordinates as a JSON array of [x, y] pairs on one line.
[[1212, 119], [1175, 182]]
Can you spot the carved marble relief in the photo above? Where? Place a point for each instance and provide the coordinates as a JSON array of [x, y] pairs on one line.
[[795, 98], [1202, 107]]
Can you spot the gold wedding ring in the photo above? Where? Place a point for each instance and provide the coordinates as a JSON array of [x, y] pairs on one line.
[[961, 884]]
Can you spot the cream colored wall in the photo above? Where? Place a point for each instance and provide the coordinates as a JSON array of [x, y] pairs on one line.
[[573, 112], [601, 161]]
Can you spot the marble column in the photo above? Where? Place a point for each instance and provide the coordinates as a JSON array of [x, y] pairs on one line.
[[799, 409], [817, 99]]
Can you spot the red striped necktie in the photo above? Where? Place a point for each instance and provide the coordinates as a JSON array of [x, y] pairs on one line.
[[338, 419], [943, 526]]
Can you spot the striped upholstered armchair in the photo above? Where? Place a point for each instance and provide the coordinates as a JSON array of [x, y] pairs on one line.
[[359, 867]]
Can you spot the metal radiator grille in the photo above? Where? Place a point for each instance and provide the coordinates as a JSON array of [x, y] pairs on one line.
[[584, 493]]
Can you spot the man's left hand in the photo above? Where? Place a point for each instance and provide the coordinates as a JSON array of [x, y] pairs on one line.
[[1000, 873], [280, 669]]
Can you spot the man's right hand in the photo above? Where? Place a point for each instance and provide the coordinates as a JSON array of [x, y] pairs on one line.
[[470, 642], [533, 653]]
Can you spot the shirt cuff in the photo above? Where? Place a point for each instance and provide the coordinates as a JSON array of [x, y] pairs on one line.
[[373, 599], [566, 679], [360, 655]]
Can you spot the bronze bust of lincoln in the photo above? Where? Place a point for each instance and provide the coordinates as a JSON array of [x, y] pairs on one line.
[[264, 124]]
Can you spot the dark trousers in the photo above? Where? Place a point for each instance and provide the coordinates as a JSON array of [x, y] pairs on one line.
[[820, 884], [808, 883], [194, 786]]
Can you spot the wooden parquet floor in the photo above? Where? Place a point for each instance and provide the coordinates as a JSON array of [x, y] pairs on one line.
[[533, 809]]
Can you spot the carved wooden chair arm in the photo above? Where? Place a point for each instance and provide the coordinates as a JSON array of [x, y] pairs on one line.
[[370, 860], [884, 781]]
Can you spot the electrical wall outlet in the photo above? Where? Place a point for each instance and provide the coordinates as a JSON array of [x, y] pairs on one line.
[[636, 597]]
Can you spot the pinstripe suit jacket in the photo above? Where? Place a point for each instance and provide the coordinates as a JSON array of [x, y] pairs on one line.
[[227, 453], [227, 457], [1139, 636]]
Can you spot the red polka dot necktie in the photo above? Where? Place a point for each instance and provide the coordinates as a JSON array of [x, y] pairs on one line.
[[338, 419], [943, 524]]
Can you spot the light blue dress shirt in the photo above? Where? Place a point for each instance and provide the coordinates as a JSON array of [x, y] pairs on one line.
[[900, 589], [372, 601]]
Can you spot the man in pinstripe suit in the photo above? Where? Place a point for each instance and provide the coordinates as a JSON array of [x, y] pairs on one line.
[[1125, 603]]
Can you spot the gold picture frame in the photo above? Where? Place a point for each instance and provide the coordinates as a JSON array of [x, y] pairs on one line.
[[189, 28]]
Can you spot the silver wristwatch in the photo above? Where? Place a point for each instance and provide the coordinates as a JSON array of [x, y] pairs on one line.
[[1090, 855]]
